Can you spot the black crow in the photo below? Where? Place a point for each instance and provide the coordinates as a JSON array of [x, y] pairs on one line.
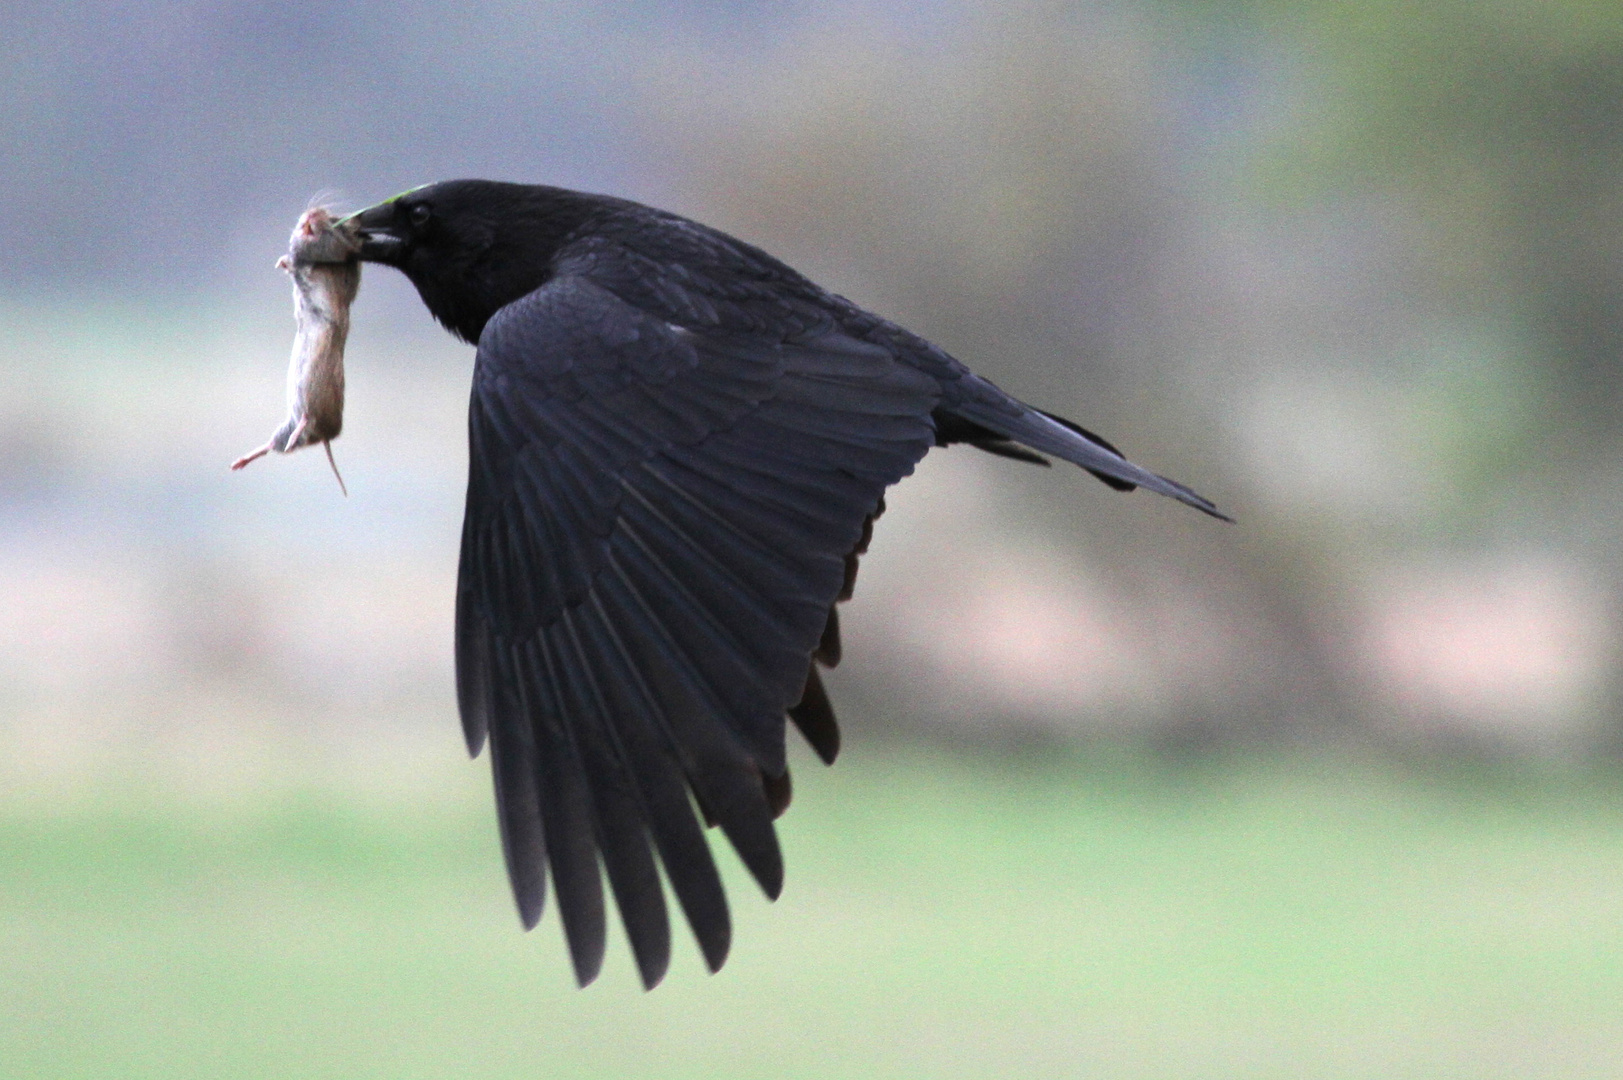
[[677, 449]]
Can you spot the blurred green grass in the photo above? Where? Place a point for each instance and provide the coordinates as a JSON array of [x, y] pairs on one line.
[[1043, 914]]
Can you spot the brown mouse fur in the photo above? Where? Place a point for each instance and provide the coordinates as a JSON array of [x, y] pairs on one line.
[[326, 278]]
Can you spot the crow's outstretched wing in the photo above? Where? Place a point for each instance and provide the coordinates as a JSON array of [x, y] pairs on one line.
[[660, 518]]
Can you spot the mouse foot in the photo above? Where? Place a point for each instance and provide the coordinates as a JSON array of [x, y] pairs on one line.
[[249, 457]]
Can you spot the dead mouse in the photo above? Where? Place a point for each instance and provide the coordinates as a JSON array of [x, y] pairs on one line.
[[326, 276]]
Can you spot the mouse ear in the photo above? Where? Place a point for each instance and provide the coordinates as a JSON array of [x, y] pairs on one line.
[[284, 263]]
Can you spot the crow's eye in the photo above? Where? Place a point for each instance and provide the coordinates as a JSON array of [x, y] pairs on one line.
[[420, 214]]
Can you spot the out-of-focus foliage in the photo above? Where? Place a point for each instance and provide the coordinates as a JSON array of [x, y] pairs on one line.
[[1500, 128]]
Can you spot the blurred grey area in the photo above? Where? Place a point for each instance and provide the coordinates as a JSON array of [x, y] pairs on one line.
[[1353, 271]]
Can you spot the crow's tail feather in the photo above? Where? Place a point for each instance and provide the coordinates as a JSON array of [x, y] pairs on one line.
[[1049, 434]]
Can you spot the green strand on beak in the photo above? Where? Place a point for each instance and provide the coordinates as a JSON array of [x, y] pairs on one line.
[[392, 198]]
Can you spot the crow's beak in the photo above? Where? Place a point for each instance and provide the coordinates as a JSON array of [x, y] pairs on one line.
[[379, 233]]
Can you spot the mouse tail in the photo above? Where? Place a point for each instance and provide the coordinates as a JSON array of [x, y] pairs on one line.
[[327, 445]]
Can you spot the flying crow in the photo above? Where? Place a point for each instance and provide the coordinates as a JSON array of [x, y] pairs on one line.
[[677, 449]]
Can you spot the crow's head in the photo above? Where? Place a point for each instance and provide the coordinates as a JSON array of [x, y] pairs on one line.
[[472, 246]]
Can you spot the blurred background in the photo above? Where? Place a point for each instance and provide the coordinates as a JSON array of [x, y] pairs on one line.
[[1330, 792]]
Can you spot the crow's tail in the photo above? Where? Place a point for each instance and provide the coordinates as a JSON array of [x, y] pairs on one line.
[[1008, 419]]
